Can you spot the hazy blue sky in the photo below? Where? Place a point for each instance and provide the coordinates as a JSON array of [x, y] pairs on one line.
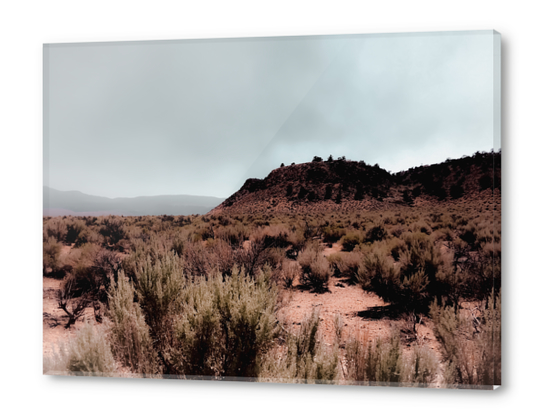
[[199, 117]]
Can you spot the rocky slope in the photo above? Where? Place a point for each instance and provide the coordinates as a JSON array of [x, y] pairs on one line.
[[343, 185]]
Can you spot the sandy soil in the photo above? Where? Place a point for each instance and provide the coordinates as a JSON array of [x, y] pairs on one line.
[[54, 318], [356, 308]]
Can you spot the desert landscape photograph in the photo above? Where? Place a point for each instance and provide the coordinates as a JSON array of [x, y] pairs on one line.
[[308, 210]]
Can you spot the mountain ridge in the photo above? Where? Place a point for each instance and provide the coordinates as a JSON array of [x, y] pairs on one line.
[[60, 203]]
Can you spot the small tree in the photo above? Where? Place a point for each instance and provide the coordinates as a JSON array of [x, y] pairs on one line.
[[67, 301], [339, 197], [317, 159]]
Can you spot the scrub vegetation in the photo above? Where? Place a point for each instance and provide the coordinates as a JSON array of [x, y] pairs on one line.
[[205, 296]]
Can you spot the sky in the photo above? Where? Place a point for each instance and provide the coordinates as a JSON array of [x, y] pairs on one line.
[[199, 117]]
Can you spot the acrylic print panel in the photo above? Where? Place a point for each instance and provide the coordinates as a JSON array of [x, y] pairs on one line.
[[318, 209]]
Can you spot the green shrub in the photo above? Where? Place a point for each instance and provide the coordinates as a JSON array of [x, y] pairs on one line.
[[159, 286], [129, 334], [226, 325]]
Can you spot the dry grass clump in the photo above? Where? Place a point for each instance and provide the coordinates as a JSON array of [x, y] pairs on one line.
[[420, 367], [471, 342], [383, 362], [87, 354], [303, 358]]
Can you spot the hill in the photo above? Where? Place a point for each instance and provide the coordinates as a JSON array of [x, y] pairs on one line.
[[75, 203], [348, 185]]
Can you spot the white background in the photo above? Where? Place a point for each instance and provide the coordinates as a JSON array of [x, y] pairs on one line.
[[26, 25]]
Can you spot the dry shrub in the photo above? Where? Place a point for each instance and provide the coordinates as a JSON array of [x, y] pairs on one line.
[[71, 302], [375, 232], [74, 228], [346, 264], [315, 268], [88, 235], [56, 228], [350, 241], [332, 234], [198, 261], [290, 271], [91, 270], [234, 235], [396, 247], [112, 230], [51, 255], [273, 236], [378, 274], [255, 255]]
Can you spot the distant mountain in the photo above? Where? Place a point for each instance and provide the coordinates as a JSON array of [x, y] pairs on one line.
[[348, 185], [64, 203]]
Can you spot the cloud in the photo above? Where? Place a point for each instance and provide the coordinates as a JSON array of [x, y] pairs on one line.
[[199, 117]]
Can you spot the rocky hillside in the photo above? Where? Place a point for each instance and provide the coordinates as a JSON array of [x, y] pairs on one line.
[[342, 184]]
